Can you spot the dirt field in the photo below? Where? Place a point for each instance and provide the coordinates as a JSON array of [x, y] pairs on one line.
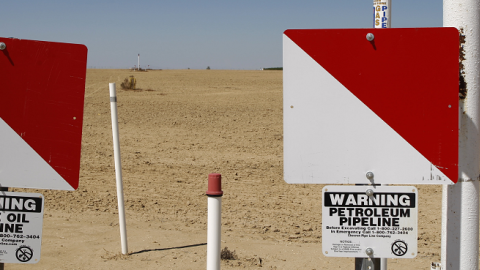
[[183, 125]]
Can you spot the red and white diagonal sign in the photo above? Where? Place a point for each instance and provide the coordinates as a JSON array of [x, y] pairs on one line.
[[389, 106], [41, 113]]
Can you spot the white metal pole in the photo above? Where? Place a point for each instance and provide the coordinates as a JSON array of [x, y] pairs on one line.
[[382, 19], [214, 194], [3, 47], [213, 234], [382, 15], [138, 62], [2, 265], [118, 168], [460, 224]]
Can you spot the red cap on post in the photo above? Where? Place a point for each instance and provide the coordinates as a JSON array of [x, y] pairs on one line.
[[215, 185]]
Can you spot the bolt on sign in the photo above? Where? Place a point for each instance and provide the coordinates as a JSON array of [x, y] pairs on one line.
[[21, 221], [41, 113], [371, 100], [370, 221]]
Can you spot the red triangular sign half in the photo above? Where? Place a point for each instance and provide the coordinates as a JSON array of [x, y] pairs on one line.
[[43, 89], [408, 77]]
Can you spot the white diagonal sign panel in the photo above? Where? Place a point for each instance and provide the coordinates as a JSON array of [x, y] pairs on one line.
[[387, 106]]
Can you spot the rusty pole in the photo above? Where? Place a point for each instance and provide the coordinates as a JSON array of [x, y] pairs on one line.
[[460, 214]]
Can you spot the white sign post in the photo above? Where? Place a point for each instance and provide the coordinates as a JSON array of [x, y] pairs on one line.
[[382, 10], [370, 221], [21, 223], [118, 169], [382, 13]]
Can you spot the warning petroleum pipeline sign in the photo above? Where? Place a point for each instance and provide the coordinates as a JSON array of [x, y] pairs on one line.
[[380, 218]]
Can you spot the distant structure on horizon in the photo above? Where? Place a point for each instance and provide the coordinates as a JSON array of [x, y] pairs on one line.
[[273, 68]]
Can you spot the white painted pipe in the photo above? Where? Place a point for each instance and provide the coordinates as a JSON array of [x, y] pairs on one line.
[[214, 194], [214, 233], [460, 214], [118, 168], [382, 15]]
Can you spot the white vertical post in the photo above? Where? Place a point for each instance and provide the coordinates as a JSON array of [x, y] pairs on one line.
[[138, 62], [382, 18], [2, 265], [214, 194], [382, 15], [118, 168], [460, 224]]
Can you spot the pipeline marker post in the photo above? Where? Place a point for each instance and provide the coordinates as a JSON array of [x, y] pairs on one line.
[[382, 18], [214, 194], [383, 126], [382, 13], [118, 168]]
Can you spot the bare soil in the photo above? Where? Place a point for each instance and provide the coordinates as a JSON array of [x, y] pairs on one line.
[[181, 126]]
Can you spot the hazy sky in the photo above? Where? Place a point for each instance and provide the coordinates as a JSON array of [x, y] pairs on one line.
[[178, 34]]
